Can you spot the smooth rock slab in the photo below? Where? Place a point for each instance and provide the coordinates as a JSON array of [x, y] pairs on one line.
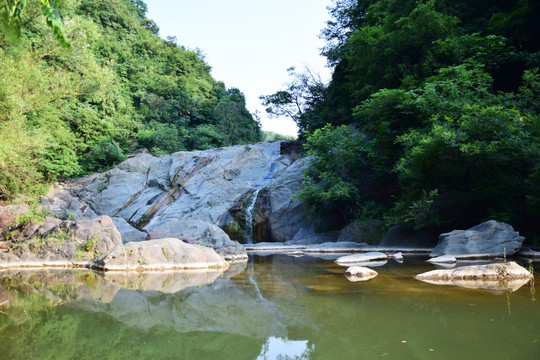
[[495, 271], [487, 240], [360, 273], [361, 258], [445, 259], [160, 254]]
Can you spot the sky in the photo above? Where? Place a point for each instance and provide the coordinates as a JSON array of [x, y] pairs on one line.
[[249, 44]]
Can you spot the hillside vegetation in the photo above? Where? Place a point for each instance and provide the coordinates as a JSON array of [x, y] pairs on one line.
[[67, 111], [432, 116]]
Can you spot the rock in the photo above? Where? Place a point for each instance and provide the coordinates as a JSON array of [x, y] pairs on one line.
[[58, 243], [487, 240], [8, 216], [397, 257], [307, 236], [160, 254], [202, 233], [360, 273], [128, 232], [367, 231], [494, 271], [445, 259], [287, 215], [361, 258], [496, 276], [402, 237], [527, 252]]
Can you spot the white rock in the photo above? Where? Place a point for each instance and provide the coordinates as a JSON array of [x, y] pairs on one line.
[[445, 259], [360, 273], [361, 258]]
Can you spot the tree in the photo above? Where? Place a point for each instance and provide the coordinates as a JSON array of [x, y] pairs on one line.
[[11, 19]]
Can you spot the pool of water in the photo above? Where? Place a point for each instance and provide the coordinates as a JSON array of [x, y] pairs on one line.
[[274, 307]]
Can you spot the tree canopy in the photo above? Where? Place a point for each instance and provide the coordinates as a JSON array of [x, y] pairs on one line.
[[66, 111]]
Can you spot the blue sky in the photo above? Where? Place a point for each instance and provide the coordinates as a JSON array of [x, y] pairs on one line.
[[249, 43]]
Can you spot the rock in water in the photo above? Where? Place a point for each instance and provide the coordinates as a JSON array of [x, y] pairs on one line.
[[160, 254], [487, 240], [497, 276], [361, 258], [445, 259], [360, 273]]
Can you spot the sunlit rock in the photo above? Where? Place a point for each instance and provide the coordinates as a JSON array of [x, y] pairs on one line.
[[161, 254], [361, 258], [360, 273], [444, 259]]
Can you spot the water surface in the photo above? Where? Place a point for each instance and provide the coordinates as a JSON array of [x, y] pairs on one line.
[[273, 307]]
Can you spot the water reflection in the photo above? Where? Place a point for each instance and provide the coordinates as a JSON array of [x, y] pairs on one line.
[[273, 307]]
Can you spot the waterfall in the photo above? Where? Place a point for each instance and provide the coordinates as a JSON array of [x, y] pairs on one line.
[[250, 208]]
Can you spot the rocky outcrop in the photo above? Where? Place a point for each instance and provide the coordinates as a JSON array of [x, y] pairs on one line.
[[147, 195], [487, 240], [59, 243], [360, 273], [161, 254]]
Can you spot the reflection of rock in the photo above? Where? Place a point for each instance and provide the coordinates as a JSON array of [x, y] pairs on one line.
[[489, 272], [504, 285], [487, 240], [163, 281], [361, 258], [160, 254], [360, 273]]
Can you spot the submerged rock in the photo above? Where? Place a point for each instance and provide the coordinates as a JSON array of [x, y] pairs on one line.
[[360, 273], [161, 254], [487, 240], [361, 258]]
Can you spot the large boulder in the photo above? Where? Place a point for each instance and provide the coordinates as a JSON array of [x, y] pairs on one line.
[[360, 273], [201, 233], [160, 254], [128, 232], [487, 240], [403, 237], [60, 243], [367, 231]]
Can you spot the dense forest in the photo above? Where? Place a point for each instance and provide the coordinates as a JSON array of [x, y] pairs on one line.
[[81, 90], [431, 118]]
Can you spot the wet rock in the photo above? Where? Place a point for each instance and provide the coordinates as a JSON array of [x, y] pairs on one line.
[[360, 273], [397, 257], [487, 240], [444, 259], [527, 252], [160, 254], [361, 258]]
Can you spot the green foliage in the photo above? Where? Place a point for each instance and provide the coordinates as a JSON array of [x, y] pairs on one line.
[[103, 155], [272, 136], [67, 111], [334, 181]]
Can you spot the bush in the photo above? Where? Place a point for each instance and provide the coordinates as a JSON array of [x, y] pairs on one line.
[[105, 154]]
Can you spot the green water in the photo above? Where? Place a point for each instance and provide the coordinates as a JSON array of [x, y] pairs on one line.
[[275, 307]]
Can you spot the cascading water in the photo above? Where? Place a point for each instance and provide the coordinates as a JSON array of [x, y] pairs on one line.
[[248, 232], [250, 207]]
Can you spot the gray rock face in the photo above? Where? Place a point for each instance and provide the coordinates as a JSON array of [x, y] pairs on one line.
[[161, 254], [157, 195], [403, 237], [489, 239], [362, 231]]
